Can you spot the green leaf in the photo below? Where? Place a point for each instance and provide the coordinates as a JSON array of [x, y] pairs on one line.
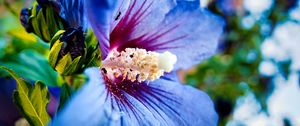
[[31, 100], [32, 66]]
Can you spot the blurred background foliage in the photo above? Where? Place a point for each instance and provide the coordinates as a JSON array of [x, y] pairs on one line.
[[20, 51], [237, 74], [235, 71]]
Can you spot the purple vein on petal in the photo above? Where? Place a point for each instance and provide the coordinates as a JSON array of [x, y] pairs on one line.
[[119, 91], [123, 36]]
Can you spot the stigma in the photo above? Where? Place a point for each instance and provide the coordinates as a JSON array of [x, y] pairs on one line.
[[136, 64]]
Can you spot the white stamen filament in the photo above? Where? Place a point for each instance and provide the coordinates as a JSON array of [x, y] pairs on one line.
[[138, 64]]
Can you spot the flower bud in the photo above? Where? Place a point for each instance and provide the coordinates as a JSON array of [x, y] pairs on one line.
[[73, 50], [68, 51], [42, 20]]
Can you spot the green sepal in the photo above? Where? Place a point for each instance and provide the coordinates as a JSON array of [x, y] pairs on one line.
[[31, 100], [33, 21], [54, 53], [66, 66], [55, 47], [56, 37], [63, 63], [93, 57], [43, 26], [73, 67]]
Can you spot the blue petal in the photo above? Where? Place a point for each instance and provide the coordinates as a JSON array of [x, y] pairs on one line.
[[162, 102], [104, 17], [150, 12], [198, 33], [181, 28], [90, 107], [86, 107], [138, 22], [173, 76], [195, 108], [100, 14], [73, 12]]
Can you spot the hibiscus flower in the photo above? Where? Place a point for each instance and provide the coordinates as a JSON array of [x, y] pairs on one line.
[[143, 43]]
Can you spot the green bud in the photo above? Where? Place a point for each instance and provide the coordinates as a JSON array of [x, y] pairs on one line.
[[72, 51], [44, 21], [67, 51]]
